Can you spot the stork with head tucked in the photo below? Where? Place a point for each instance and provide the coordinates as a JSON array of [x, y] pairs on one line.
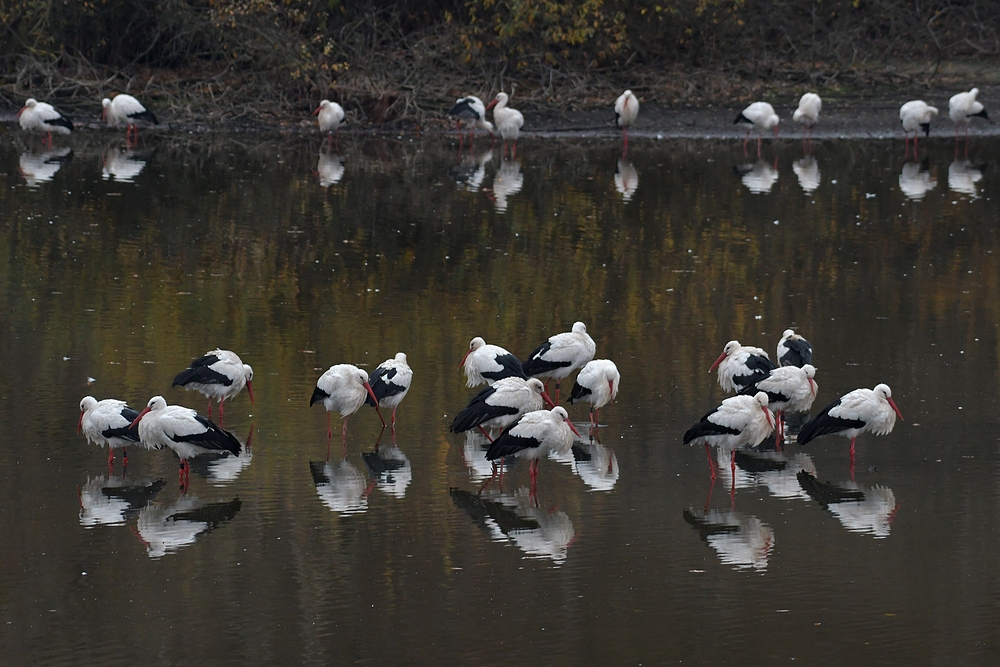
[[760, 117], [220, 375], [108, 423], [488, 363], [626, 111], [597, 383], [788, 389], [560, 355], [740, 367], [500, 405], [390, 383], [794, 350]]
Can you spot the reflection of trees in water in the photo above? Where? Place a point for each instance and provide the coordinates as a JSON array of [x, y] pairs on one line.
[[260, 246]]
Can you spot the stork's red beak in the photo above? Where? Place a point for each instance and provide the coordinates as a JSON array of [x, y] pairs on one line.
[[371, 393], [548, 401], [316, 113], [812, 387], [19, 115], [770, 417], [141, 415], [573, 428], [465, 357], [250, 390], [893, 404], [104, 114], [717, 362], [79, 424], [491, 104], [611, 388]]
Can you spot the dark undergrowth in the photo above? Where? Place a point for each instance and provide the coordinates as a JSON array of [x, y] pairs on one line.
[[261, 60]]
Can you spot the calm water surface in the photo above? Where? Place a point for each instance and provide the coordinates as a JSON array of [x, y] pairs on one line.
[[117, 269]]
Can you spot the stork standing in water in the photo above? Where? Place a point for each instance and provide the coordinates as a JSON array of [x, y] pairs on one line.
[[760, 117], [788, 389], [533, 436], [471, 112], [626, 111], [343, 387], [854, 413], [390, 382], [108, 423], [488, 363], [37, 116], [560, 355], [807, 114], [508, 121], [739, 421], [126, 109], [915, 116], [962, 108], [219, 375], [330, 117], [184, 431], [794, 350], [501, 404], [597, 383], [740, 367]]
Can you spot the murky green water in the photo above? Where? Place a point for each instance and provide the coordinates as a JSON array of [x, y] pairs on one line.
[[116, 270]]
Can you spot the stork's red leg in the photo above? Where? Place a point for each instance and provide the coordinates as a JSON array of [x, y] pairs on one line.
[[711, 463], [483, 431]]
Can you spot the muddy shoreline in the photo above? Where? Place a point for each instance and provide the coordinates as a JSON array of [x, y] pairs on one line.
[[873, 117]]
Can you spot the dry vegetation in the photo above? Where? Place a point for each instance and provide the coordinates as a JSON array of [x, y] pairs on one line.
[[261, 59]]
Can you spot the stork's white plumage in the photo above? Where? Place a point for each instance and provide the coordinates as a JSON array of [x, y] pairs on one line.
[[854, 413], [108, 423], [915, 116], [344, 388], [560, 355], [788, 389], [330, 116], [126, 109], [501, 404], [794, 350], [598, 384], [488, 363], [807, 114], [184, 431], [37, 116], [220, 375], [535, 435], [471, 112], [740, 367], [760, 116], [508, 121], [738, 422], [390, 383], [963, 107], [626, 111]]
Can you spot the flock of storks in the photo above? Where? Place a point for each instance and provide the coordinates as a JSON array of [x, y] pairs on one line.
[[516, 401]]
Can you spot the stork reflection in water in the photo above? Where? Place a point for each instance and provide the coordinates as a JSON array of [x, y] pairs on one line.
[[164, 529], [860, 509]]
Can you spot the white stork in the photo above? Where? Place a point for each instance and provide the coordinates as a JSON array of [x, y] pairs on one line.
[[219, 375], [963, 107], [597, 383], [738, 422], [344, 388], [760, 117], [915, 116], [560, 355], [533, 436], [126, 109], [626, 111], [794, 350], [854, 413], [788, 389], [108, 423], [330, 116], [390, 382], [37, 116], [740, 367], [471, 112], [807, 114], [184, 431], [488, 363], [501, 404], [508, 121]]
